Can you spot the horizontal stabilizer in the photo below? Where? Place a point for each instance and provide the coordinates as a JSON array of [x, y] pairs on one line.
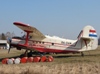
[[87, 38]]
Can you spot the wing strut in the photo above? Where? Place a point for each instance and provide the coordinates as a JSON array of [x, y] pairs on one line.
[[26, 41], [27, 37]]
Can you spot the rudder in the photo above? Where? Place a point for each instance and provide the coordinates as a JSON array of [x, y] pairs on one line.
[[89, 37]]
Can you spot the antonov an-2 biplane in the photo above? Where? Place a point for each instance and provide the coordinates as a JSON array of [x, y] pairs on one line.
[[35, 40]]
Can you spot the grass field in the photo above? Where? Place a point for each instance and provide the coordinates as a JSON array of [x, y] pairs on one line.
[[62, 64]]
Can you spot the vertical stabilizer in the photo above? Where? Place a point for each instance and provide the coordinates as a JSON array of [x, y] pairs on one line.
[[88, 39], [89, 32]]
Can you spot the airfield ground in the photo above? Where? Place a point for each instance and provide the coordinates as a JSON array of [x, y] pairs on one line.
[[62, 64]]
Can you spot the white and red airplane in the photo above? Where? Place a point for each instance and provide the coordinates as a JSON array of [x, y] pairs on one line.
[[87, 40]]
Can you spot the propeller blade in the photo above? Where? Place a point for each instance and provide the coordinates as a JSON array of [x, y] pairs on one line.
[[9, 48], [9, 40]]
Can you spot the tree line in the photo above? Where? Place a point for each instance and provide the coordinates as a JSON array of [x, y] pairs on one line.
[[4, 36]]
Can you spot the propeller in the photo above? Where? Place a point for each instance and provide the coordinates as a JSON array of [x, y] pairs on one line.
[[9, 46]]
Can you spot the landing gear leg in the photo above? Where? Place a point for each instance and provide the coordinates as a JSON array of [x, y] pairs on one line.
[[24, 55], [30, 53], [42, 54], [82, 54]]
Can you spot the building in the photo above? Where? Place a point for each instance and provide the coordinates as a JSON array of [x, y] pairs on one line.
[[4, 44]]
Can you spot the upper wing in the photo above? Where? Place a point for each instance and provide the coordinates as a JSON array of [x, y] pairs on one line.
[[36, 34]]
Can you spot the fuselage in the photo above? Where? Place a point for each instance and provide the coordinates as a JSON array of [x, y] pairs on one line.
[[50, 44], [54, 44], [87, 40]]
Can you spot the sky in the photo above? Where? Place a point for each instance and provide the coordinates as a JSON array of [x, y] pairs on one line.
[[63, 18]]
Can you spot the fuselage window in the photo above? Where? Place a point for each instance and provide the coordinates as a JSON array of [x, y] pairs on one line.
[[34, 42], [62, 42], [69, 43], [42, 42], [52, 43]]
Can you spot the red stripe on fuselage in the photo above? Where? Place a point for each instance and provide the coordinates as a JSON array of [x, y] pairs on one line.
[[93, 31], [40, 49], [49, 50]]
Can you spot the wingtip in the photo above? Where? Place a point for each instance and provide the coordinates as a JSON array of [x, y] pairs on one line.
[[20, 24]]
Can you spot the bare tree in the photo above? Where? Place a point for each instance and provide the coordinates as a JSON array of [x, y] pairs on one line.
[[8, 34], [3, 37], [13, 34]]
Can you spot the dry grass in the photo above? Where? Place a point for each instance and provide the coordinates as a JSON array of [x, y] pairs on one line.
[[63, 64], [51, 68]]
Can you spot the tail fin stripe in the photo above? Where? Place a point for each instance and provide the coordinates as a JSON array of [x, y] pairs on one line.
[[93, 31], [92, 35]]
